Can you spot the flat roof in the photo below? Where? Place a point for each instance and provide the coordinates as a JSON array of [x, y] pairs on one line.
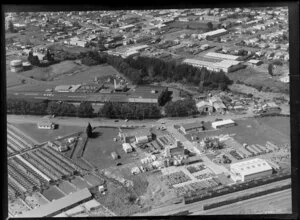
[[191, 125], [223, 122], [249, 167], [199, 62], [227, 63], [222, 56], [57, 205], [218, 31]]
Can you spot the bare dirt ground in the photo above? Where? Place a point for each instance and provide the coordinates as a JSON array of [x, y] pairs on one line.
[[157, 193]]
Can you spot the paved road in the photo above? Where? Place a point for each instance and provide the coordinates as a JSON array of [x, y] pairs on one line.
[[72, 121], [259, 203]]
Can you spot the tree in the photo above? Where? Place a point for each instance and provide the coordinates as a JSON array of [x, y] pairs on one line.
[[89, 130], [209, 25], [270, 69], [11, 27], [85, 109]]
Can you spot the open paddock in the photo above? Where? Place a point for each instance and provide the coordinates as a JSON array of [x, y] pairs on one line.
[[42, 135], [256, 131], [98, 150]]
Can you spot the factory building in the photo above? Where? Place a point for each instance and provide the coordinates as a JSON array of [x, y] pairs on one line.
[[222, 124], [191, 127], [224, 65], [221, 56], [174, 149], [138, 136], [46, 125], [250, 169], [212, 34]]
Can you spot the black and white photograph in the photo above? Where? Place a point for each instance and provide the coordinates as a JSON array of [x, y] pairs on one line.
[[147, 112]]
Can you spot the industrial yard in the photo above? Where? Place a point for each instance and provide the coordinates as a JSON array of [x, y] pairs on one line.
[[148, 112]]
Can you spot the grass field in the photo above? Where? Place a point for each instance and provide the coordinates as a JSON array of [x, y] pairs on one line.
[[66, 73], [98, 150], [257, 131], [253, 77], [46, 135]]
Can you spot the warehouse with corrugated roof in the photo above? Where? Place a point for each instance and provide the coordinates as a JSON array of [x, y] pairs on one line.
[[250, 169]]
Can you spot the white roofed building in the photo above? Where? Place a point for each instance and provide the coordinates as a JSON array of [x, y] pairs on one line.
[[250, 169], [127, 147], [223, 123]]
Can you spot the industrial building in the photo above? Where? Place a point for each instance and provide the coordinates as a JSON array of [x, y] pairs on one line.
[[224, 65], [191, 127], [174, 149], [46, 125], [212, 34], [127, 147], [221, 124], [139, 94], [221, 56], [250, 169], [138, 136], [59, 205]]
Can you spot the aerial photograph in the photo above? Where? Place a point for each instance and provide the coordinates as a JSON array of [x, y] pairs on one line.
[[148, 112]]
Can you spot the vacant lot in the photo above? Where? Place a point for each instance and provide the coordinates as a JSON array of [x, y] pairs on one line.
[[253, 77], [98, 150], [48, 73], [42, 135], [257, 131]]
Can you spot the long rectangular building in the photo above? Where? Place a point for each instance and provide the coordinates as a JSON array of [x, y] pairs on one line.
[[224, 65], [222, 56]]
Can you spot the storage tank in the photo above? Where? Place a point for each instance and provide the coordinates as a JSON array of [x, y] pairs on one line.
[[16, 65]]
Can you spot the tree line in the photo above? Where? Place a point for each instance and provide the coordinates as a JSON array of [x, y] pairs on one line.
[[145, 70], [28, 107], [109, 109], [130, 110]]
